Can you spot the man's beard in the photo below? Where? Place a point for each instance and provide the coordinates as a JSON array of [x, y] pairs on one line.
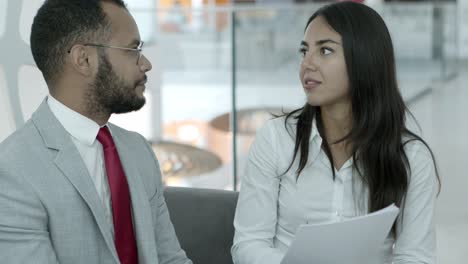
[[110, 93]]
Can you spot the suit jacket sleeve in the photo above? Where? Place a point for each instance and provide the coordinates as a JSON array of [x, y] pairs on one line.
[[169, 250], [24, 236]]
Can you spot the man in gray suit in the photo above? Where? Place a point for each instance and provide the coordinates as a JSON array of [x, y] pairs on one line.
[[73, 187]]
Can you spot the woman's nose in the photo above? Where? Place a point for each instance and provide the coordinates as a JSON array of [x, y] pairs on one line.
[[310, 62]]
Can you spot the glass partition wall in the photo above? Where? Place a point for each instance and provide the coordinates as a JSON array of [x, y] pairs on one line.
[[224, 71], [220, 71]]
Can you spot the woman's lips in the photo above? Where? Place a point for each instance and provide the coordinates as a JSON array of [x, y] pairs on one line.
[[310, 83]]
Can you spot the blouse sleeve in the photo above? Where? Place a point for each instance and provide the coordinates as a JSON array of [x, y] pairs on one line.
[[256, 213], [416, 240]]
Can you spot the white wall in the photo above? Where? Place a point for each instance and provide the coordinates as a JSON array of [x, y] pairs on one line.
[[6, 118], [462, 28]]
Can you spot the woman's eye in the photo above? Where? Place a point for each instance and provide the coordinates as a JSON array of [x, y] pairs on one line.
[[325, 51]]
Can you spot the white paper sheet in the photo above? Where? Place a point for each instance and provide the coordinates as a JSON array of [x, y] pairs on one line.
[[354, 241]]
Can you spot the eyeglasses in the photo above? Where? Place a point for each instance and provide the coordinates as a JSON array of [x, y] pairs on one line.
[[136, 50]]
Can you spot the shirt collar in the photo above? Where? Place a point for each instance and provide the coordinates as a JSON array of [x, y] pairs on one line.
[[316, 147], [78, 126], [314, 133]]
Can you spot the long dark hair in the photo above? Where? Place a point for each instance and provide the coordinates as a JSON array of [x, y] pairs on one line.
[[378, 109]]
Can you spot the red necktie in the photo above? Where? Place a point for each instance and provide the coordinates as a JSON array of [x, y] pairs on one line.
[[120, 195]]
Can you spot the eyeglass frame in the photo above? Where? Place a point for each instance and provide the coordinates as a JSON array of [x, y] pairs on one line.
[[138, 49]]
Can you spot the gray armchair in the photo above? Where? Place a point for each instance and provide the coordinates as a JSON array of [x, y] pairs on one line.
[[203, 221]]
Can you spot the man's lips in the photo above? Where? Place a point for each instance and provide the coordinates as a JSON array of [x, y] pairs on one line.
[[142, 82]]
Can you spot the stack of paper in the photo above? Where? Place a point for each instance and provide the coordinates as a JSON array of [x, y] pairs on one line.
[[354, 241]]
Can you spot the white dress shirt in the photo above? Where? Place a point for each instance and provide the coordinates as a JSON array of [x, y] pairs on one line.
[[271, 207], [83, 132]]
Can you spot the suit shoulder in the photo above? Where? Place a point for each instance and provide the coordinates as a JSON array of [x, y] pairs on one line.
[[124, 133], [129, 138], [17, 143]]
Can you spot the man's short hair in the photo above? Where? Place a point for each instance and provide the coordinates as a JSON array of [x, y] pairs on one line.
[[60, 24]]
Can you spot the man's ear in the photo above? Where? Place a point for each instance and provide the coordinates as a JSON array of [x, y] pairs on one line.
[[82, 60]]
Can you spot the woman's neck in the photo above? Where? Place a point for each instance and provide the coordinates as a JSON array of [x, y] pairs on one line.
[[337, 122]]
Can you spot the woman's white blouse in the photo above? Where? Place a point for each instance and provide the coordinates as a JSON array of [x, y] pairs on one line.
[[271, 207]]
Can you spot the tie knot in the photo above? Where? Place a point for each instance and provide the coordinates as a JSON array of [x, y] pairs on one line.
[[105, 138]]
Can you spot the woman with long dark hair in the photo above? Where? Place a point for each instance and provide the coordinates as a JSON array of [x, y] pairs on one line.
[[346, 153]]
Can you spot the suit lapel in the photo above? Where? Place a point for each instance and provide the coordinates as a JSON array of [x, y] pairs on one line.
[[141, 209], [69, 161]]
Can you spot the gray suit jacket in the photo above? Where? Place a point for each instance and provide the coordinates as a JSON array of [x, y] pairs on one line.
[[49, 208]]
